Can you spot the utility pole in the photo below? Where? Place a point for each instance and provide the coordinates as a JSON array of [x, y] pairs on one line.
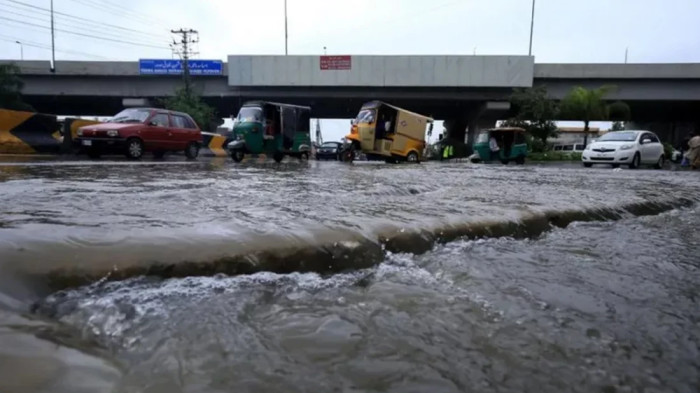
[[532, 27], [184, 50], [286, 36], [21, 50], [53, 43]]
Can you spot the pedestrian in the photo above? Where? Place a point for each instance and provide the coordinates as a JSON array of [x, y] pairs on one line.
[[495, 149], [693, 154]]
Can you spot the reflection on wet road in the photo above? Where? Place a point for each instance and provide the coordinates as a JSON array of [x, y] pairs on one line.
[[596, 306]]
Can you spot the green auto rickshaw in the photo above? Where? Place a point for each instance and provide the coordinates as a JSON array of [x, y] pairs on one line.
[[509, 140], [272, 129]]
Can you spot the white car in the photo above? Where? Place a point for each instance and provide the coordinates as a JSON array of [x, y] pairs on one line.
[[632, 148]]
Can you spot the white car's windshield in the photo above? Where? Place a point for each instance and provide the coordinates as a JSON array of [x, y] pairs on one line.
[[622, 136]]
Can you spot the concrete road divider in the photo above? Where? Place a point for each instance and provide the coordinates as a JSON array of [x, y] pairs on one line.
[[29, 133], [213, 145]]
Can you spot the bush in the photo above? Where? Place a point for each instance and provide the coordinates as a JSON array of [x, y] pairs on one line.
[[554, 156], [668, 150]]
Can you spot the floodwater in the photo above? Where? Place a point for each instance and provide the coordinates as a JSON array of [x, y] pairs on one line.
[[602, 305]]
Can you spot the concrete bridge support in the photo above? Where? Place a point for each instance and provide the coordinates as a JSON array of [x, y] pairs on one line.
[[462, 131], [672, 132]]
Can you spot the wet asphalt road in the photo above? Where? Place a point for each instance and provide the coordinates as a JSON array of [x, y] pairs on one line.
[[607, 306]]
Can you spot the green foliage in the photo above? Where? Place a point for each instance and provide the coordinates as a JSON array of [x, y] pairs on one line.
[[11, 89], [535, 113], [186, 101], [668, 150], [554, 156], [586, 105], [617, 126]]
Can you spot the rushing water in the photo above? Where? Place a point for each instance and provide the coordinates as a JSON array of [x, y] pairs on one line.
[[606, 306]]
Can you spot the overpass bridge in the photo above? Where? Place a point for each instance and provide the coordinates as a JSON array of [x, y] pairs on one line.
[[466, 91]]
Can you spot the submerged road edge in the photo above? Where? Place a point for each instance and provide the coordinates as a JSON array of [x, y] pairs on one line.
[[359, 253]]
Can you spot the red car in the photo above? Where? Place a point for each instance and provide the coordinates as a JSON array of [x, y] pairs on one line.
[[137, 130]]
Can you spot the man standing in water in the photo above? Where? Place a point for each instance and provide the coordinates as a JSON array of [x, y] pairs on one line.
[[493, 145], [693, 154]]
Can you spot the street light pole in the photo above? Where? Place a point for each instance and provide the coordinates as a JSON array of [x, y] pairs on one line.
[[53, 47], [532, 27], [21, 50], [286, 37]]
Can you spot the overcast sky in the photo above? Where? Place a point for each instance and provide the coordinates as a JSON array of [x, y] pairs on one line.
[[586, 31]]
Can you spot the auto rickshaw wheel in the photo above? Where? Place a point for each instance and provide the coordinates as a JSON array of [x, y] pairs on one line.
[[348, 155], [504, 162], [304, 156], [237, 155], [412, 157], [278, 156], [520, 160]]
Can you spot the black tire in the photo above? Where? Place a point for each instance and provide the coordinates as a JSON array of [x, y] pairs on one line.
[[520, 160], [412, 157], [304, 156], [504, 162], [635, 161], [159, 154], [615, 166], [237, 155], [192, 150], [660, 164], [348, 155], [278, 156], [587, 164], [94, 153], [134, 148]]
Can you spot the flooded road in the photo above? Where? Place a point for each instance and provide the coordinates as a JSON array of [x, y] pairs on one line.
[[606, 305]]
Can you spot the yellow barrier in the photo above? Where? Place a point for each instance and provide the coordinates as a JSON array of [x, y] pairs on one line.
[[214, 145], [28, 133]]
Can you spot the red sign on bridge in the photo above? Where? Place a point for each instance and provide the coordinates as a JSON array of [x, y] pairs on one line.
[[336, 62]]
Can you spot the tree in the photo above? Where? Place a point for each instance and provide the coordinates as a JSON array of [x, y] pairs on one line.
[[186, 101], [535, 113], [586, 105], [11, 89], [617, 126]]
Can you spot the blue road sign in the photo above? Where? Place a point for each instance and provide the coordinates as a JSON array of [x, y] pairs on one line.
[[174, 67]]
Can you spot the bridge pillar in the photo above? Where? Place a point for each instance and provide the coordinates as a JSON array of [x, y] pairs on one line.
[[669, 132], [463, 130]]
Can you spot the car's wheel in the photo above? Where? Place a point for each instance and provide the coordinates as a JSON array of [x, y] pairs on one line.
[[587, 164], [412, 157], [304, 156], [635, 161], [192, 150], [278, 156], [520, 160], [237, 155], [134, 148], [659, 164], [94, 153], [159, 154]]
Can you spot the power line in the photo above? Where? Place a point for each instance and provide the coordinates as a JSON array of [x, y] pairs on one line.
[[85, 20], [48, 48], [83, 28], [84, 35], [118, 10]]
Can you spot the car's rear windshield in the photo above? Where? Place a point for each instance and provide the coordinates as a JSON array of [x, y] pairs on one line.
[[623, 136]]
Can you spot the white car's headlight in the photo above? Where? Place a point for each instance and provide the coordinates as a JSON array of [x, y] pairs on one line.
[[626, 147], [588, 147], [80, 132], [112, 133]]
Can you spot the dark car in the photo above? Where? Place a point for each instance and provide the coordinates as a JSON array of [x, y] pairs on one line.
[[329, 151], [137, 130]]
